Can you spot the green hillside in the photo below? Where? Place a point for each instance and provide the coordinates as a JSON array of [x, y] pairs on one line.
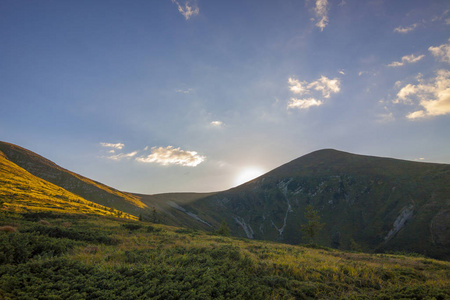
[[367, 203], [79, 257], [72, 182], [21, 191]]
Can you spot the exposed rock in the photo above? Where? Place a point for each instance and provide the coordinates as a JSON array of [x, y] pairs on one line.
[[405, 214]]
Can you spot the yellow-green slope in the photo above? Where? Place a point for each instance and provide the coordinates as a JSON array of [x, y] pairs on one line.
[[72, 182], [22, 191]]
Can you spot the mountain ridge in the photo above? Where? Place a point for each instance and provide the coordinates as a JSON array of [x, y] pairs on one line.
[[367, 202]]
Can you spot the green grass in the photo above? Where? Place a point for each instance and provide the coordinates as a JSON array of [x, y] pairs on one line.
[[79, 257]]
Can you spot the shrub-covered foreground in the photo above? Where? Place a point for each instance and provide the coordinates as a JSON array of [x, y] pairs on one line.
[[103, 258]]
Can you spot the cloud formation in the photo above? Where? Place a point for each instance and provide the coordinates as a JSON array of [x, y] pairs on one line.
[[188, 10], [404, 30], [304, 103], [406, 59], [216, 123], [172, 156], [431, 96], [323, 86], [118, 146], [441, 52], [121, 156], [321, 11]]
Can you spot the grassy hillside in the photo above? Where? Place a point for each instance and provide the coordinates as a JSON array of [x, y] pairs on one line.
[[367, 203], [22, 191], [79, 257], [72, 182]]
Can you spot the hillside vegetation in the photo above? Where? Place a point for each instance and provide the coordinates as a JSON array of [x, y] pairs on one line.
[[21, 191], [366, 203], [72, 182], [61, 256]]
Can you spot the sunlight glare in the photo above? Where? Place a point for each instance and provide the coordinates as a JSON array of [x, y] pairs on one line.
[[247, 174]]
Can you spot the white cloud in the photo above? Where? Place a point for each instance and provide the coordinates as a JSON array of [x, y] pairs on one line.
[[406, 59], [442, 52], [385, 117], [304, 103], [362, 73], [216, 123], [324, 87], [297, 87], [111, 145], [431, 97], [403, 30], [188, 91], [188, 10], [172, 156], [121, 156], [321, 11]]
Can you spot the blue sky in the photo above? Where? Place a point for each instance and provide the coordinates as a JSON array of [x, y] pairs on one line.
[[173, 95]]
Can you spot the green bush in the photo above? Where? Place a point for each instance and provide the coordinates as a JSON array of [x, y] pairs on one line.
[[74, 234], [18, 248], [132, 226]]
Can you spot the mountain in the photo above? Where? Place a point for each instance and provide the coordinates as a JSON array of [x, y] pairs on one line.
[[72, 182], [163, 208], [21, 191], [367, 203]]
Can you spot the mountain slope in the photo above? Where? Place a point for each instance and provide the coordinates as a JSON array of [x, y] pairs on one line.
[[23, 192], [77, 184], [367, 203]]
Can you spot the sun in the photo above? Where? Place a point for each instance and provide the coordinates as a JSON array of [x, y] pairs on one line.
[[247, 174]]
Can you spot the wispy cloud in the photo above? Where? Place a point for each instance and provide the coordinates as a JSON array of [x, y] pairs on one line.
[[188, 10], [323, 87], [386, 117], [121, 156], [442, 52], [187, 91], [406, 59], [431, 97], [172, 156], [407, 29], [118, 146], [321, 10], [216, 123], [304, 103]]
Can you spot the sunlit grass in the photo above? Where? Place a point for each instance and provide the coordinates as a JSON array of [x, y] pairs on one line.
[[177, 262], [21, 191]]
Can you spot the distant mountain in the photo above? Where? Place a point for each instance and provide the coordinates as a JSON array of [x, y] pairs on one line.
[[367, 203], [21, 191]]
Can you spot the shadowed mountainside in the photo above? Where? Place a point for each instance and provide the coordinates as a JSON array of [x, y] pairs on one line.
[[367, 203]]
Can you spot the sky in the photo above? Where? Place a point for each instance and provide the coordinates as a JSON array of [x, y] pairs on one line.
[[198, 96]]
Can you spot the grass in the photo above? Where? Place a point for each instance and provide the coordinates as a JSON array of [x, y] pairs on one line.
[[152, 261], [21, 191]]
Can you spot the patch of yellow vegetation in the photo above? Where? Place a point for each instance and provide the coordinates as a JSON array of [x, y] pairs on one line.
[[22, 191]]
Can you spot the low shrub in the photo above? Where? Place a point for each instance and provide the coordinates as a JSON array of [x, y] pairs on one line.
[[132, 226], [8, 228]]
